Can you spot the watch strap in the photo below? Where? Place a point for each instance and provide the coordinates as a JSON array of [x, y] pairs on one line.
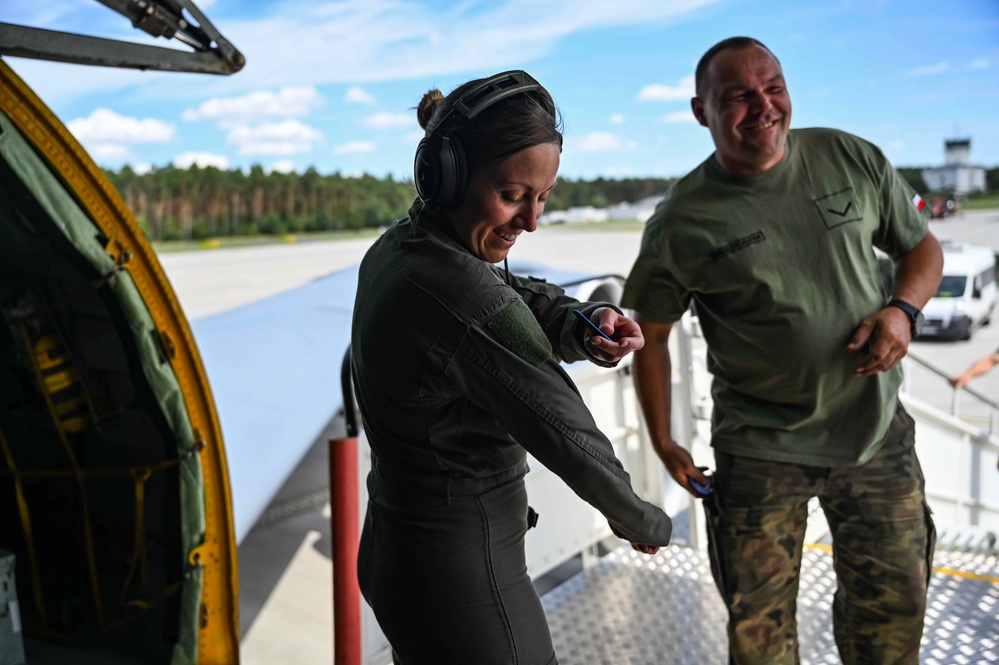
[[910, 310]]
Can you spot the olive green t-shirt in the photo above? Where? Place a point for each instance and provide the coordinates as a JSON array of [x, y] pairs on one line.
[[782, 270]]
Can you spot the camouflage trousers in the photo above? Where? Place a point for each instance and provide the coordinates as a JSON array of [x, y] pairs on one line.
[[883, 540]]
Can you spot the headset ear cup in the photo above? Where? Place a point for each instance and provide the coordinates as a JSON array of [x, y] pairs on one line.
[[426, 172], [460, 173], [454, 173]]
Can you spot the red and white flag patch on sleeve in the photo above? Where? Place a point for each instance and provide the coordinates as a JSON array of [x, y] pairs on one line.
[[918, 201]]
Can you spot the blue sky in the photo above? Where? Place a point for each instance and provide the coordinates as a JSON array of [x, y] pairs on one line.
[[332, 84]]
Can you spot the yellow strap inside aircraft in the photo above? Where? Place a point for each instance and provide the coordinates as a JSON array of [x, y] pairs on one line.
[[140, 553], [68, 449], [140, 559]]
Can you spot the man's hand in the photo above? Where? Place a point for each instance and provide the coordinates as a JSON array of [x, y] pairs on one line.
[[681, 466], [645, 549], [887, 334], [626, 334]]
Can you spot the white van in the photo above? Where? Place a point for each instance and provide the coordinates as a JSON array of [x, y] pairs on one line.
[[967, 292]]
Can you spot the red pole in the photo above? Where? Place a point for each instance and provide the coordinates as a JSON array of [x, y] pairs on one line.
[[346, 535]]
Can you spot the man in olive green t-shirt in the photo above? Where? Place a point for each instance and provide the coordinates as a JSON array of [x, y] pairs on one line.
[[773, 239]]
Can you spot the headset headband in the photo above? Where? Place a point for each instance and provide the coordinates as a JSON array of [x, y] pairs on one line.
[[490, 91]]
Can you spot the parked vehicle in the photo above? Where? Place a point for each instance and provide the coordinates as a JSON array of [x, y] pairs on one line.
[[966, 295], [941, 207]]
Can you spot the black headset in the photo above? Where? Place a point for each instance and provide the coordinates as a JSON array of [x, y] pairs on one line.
[[439, 169]]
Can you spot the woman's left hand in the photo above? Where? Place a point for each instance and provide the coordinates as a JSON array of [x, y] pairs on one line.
[[645, 549], [625, 333]]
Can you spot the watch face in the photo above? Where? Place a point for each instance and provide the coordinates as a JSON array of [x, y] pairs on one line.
[[917, 323]]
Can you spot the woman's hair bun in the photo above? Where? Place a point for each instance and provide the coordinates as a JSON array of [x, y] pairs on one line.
[[429, 103]]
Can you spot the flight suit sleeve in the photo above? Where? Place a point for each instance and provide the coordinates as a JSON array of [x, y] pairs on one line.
[[505, 366], [553, 310]]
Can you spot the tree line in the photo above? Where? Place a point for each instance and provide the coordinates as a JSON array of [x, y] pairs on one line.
[[171, 203], [196, 203]]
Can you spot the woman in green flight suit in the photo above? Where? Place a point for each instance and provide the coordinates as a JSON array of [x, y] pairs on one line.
[[456, 364]]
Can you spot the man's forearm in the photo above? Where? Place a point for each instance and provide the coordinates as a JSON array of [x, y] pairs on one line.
[[918, 273], [653, 369]]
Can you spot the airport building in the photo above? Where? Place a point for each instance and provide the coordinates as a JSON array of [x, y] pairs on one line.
[[957, 174]]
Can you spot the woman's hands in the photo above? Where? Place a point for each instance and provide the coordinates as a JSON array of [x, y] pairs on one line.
[[625, 333]]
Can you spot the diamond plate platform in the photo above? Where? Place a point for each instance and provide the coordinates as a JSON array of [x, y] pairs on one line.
[[632, 609]]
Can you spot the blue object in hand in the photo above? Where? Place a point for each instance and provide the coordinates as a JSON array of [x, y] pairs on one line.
[[703, 490], [593, 325]]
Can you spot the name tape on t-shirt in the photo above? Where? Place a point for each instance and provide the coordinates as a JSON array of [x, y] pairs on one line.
[[736, 245]]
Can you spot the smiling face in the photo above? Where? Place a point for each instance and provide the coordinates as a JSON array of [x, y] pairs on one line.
[[747, 108], [505, 198]]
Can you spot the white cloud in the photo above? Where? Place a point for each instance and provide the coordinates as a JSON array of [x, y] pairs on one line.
[[107, 134], [353, 147], [356, 95], [289, 137], [657, 92], [929, 70], [283, 166], [979, 63], [202, 159], [386, 120], [617, 119], [598, 142], [142, 168], [297, 43], [680, 116], [896, 145], [412, 138], [106, 126], [107, 152], [289, 102]]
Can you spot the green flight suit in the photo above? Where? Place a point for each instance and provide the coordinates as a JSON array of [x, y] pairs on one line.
[[456, 366]]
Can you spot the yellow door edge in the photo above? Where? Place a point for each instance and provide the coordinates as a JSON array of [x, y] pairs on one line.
[[217, 644]]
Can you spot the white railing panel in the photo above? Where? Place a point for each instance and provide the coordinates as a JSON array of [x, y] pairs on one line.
[[959, 462]]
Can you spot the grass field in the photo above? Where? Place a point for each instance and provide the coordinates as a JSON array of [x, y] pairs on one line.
[[163, 247], [982, 202]]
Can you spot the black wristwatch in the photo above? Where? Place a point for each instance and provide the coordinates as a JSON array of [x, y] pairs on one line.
[[914, 313]]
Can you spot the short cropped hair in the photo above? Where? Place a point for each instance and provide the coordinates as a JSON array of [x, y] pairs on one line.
[[701, 73]]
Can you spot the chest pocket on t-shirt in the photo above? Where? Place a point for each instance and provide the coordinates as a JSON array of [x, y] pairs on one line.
[[839, 208]]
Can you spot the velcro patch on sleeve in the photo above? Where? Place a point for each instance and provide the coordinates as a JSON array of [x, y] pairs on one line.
[[519, 331]]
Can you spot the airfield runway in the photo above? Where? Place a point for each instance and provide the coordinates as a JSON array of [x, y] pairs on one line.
[[285, 571]]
